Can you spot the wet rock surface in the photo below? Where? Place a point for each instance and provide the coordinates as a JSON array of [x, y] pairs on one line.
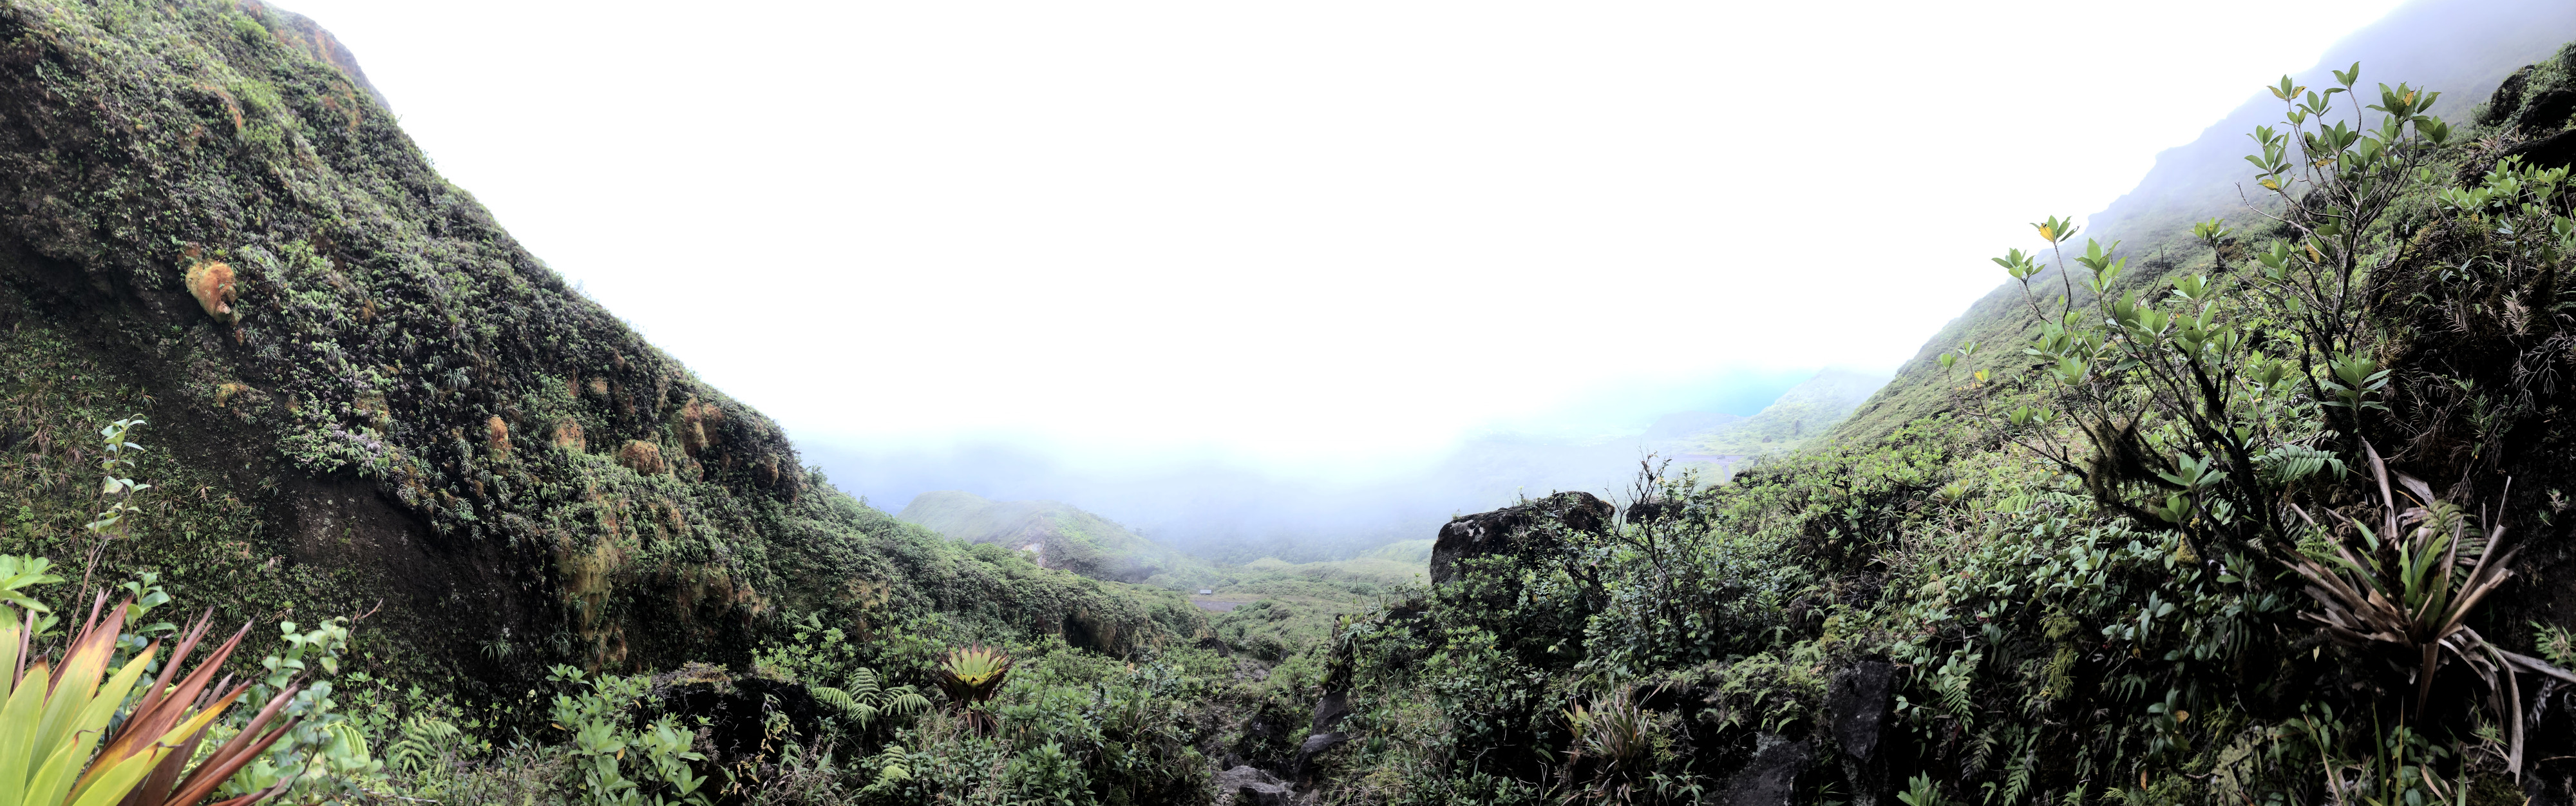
[[1860, 705], [1251, 786], [1772, 778], [1504, 531], [2554, 151], [737, 710], [1315, 745], [2547, 111]]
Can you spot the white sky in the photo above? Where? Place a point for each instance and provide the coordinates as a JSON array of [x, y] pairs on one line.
[[1292, 228]]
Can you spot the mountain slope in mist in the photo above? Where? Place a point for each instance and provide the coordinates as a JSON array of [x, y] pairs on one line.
[[2461, 48], [1806, 411], [1060, 534]]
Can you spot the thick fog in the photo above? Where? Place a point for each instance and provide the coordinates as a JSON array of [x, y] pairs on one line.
[[1235, 506], [1320, 272]]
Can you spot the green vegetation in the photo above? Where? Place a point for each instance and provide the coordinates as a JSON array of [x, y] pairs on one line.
[[2268, 517], [2101, 575]]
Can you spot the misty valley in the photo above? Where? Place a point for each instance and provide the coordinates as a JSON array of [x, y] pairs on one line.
[[317, 486]]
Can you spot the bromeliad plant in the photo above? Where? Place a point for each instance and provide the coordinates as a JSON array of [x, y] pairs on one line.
[[2422, 569], [156, 736], [1615, 735], [57, 713], [2222, 406], [971, 677]]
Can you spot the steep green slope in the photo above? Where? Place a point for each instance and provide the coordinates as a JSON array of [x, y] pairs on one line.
[[363, 392], [2463, 49]]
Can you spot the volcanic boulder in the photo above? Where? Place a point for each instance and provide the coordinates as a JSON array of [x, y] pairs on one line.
[[1507, 531]]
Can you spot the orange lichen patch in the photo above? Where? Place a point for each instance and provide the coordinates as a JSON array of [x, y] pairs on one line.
[[346, 104], [413, 491], [605, 511], [642, 457], [775, 474], [698, 422], [212, 285], [231, 106], [568, 436], [587, 573], [496, 437]]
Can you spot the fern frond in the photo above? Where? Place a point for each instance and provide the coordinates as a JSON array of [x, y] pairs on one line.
[[853, 706], [2018, 782], [905, 701], [420, 744], [1981, 749], [892, 771], [2290, 463], [1954, 697], [863, 683]]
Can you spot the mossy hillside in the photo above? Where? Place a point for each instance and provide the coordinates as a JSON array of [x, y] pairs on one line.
[[393, 400], [1066, 537]]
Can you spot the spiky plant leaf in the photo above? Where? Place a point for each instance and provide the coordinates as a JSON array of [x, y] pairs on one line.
[[971, 676], [56, 716]]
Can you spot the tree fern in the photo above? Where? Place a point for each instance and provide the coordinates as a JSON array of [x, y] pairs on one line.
[[864, 698], [422, 744]]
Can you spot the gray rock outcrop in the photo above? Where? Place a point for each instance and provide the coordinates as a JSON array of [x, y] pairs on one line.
[[1503, 531]]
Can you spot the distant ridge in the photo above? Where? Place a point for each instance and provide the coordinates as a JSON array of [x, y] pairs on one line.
[[1062, 535], [1808, 410]]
